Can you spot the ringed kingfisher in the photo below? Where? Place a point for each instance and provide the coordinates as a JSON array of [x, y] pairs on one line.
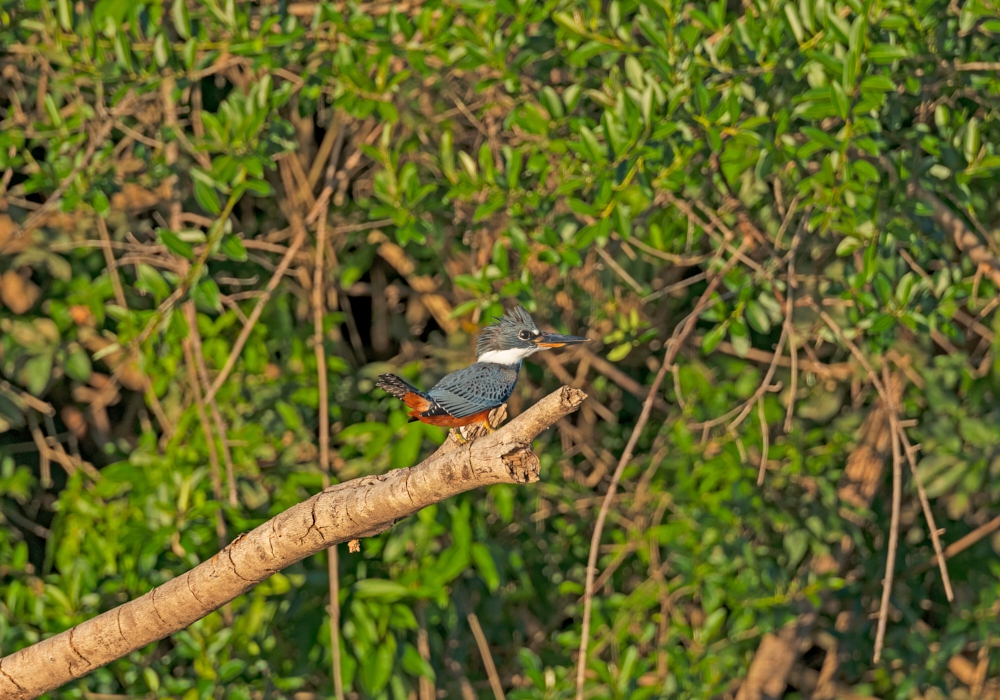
[[467, 396]]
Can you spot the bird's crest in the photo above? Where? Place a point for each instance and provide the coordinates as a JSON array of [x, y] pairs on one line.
[[503, 332]]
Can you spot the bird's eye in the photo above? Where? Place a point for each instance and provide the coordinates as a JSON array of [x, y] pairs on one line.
[[524, 335]]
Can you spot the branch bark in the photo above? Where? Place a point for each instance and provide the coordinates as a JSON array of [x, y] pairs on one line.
[[359, 508]]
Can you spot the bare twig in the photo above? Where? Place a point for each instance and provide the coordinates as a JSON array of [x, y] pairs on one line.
[[613, 264], [611, 371], [748, 405], [109, 259], [793, 352], [959, 545], [765, 438], [890, 560], [257, 311], [425, 685], [941, 557], [324, 437], [484, 650], [681, 333], [889, 402], [965, 240], [213, 456], [36, 218]]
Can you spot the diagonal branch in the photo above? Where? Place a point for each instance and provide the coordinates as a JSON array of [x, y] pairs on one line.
[[965, 240], [359, 508]]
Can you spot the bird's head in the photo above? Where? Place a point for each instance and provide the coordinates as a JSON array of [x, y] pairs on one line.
[[514, 336]]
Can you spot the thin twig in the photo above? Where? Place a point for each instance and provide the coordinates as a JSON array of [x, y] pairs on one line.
[[324, 437], [613, 264], [793, 352], [883, 392], [681, 333], [213, 456], [942, 557], [257, 311], [45, 469], [220, 425], [425, 684], [484, 650], [890, 560], [959, 545], [748, 405], [765, 438], [36, 217], [109, 259]]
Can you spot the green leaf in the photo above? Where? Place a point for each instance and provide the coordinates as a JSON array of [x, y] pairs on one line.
[[405, 451], [181, 18], [796, 543], [848, 245], [757, 317], [416, 665], [904, 288], [714, 337], [839, 99], [740, 336], [792, 14], [486, 566], [619, 352], [78, 365], [36, 373], [207, 197], [886, 53], [381, 590], [174, 244], [970, 144], [65, 15], [232, 247], [207, 296]]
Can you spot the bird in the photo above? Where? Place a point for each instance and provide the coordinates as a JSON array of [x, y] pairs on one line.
[[467, 396]]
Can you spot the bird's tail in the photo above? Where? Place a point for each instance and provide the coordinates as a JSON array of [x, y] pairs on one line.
[[410, 395]]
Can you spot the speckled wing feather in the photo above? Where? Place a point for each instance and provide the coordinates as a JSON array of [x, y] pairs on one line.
[[480, 387]]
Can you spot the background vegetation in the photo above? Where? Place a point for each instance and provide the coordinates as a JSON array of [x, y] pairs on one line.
[[167, 168]]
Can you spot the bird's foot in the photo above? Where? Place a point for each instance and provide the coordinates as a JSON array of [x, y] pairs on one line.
[[459, 438]]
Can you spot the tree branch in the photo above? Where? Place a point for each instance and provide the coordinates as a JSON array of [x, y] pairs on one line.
[[358, 508]]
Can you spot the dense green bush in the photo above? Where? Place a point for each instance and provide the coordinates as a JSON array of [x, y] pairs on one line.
[[594, 161]]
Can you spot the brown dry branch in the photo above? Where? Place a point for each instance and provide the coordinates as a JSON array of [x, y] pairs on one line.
[[220, 425], [777, 653], [838, 371], [897, 495], [109, 259], [318, 308], [611, 371], [484, 651], [793, 352], [965, 240], [213, 456], [674, 344], [258, 310], [959, 545], [97, 139], [425, 685], [359, 508]]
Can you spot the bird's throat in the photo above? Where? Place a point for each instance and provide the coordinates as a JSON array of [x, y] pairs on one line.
[[508, 358]]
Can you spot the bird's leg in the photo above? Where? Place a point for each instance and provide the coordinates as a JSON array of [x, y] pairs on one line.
[[457, 432], [486, 424]]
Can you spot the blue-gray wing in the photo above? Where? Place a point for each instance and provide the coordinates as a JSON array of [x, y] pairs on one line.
[[477, 388]]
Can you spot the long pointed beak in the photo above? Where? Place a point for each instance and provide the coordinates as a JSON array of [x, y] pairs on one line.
[[557, 340]]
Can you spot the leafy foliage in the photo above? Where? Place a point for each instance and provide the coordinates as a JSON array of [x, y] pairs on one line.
[[595, 161]]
